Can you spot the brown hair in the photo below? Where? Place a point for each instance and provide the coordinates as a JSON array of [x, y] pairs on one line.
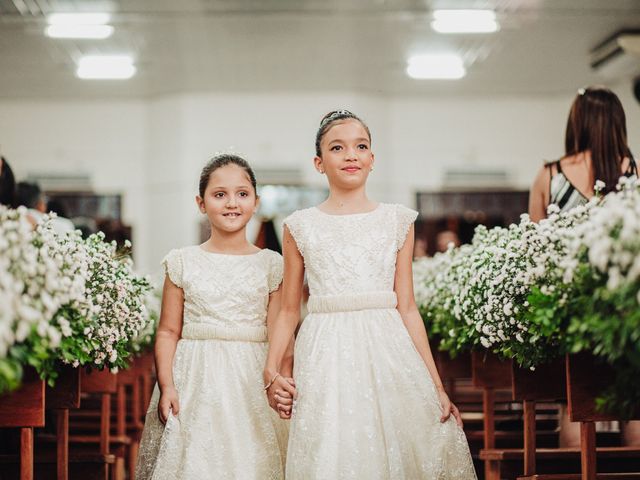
[[330, 119], [597, 123], [223, 160]]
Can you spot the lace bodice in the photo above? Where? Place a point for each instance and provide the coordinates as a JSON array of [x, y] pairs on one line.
[[350, 254], [226, 291]]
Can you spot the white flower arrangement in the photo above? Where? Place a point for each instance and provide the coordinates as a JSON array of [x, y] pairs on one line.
[[480, 296], [534, 291], [63, 299]]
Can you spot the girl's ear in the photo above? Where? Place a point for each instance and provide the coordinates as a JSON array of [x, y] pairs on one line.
[[257, 204], [200, 203], [317, 162]]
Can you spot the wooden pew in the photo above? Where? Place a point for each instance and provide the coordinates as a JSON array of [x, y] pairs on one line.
[[548, 383], [23, 409], [146, 364], [489, 373], [59, 399], [131, 423], [545, 383], [91, 455], [452, 369], [586, 379]]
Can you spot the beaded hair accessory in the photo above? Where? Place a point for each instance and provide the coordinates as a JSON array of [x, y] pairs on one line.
[[335, 115]]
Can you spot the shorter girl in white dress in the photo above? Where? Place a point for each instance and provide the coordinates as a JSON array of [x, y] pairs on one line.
[[208, 416]]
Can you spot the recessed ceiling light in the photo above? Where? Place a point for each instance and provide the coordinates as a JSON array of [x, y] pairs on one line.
[[436, 67], [465, 21], [78, 18], [79, 31], [79, 25], [106, 67]]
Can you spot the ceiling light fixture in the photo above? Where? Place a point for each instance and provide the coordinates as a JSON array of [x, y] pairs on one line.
[[465, 21], [97, 32], [445, 66], [78, 18], [105, 67], [79, 25]]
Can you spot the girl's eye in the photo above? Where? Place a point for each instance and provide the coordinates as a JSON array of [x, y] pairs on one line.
[[218, 194], [335, 148], [243, 194], [363, 146]]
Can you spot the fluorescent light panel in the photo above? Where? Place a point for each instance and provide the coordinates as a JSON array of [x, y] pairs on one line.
[[106, 67], [78, 18], [79, 25], [464, 21], [79, 31], [436, 67]]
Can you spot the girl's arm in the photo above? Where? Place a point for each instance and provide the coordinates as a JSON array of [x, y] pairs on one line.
[[286, 369], [539, 195], [167, 336], [414, 324], [282, 328]]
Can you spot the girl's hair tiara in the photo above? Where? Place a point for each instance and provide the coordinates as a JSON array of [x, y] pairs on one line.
[[336, 114]]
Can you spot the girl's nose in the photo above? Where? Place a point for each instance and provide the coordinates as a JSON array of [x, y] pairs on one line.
[[350, 154]]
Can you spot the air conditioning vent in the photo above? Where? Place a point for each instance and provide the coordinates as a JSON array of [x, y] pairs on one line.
[[618, 56]]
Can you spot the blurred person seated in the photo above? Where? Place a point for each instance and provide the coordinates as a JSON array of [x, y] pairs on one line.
[[446, 237], [29, 195], [7, 184]]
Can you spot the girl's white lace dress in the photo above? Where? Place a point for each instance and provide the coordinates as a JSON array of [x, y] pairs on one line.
[[367, 406], [225, 428]]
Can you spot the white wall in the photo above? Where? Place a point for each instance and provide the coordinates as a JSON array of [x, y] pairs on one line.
[[152, 150], [104, 139]]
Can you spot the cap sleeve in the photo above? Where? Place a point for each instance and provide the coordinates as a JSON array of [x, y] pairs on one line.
[[172, 264], [294, 224], [276, 270], [405, 218]]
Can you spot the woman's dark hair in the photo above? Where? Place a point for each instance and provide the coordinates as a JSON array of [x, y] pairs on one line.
[[597, 123], [330, 119], [223, 160], [28, 194], [7, 184]]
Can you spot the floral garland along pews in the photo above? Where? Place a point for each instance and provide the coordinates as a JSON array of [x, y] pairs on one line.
[[531, 292], [64, 299]]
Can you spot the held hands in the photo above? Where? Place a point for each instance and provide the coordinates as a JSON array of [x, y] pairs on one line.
[[168, 403], [448, 408], [281, 393]]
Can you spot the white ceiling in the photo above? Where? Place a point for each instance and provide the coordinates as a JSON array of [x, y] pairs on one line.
[[293, 45]]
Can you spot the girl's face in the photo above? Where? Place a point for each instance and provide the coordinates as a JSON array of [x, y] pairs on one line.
[[229, 199], [346, 157]]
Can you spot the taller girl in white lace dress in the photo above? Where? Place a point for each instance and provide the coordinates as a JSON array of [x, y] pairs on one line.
[[370, 404], [211, 347]]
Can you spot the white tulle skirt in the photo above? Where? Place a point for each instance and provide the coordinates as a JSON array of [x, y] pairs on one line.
[[367, 407], [225, 428]]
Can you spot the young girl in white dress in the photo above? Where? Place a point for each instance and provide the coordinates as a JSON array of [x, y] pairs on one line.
[[208, 416], [370, 403]]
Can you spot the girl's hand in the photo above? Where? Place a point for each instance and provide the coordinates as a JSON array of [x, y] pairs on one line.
[[448, 408], [281, 395], [168, 403], [284, 400]]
